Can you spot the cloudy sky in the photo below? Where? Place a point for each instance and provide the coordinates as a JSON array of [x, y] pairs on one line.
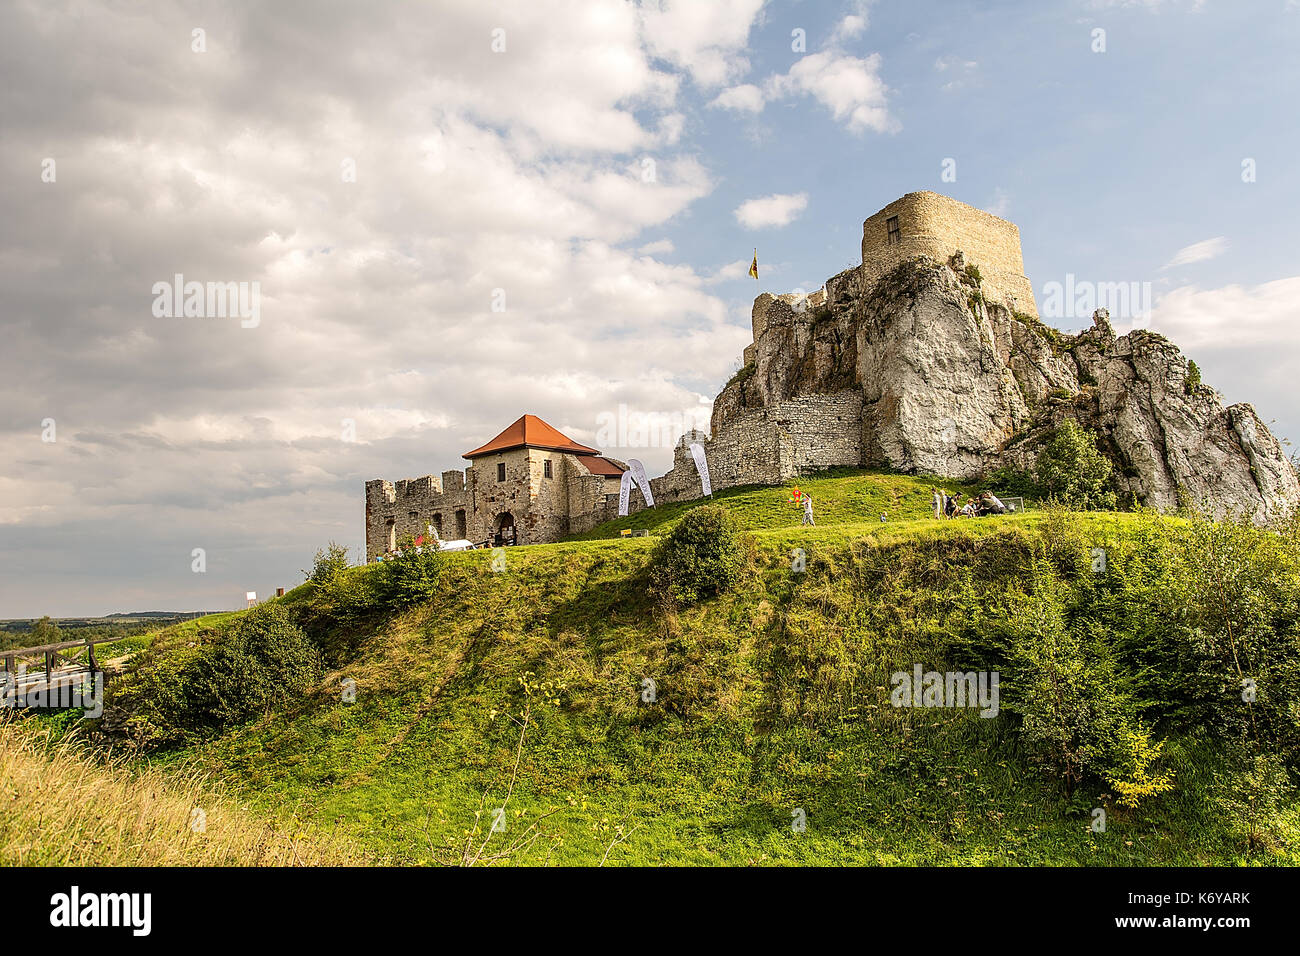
[[460, 211]]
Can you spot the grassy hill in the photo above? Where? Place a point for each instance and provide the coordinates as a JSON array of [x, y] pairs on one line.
[[523, 697], [840, 496]]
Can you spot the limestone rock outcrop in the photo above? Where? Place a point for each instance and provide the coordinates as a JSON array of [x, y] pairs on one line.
[[954, 384]]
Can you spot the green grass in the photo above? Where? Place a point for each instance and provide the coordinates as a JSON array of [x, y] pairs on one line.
[[840, 497], [770, 700]]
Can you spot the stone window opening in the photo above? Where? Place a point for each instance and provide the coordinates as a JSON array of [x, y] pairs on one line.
[[501, 471], [895, 235], [392, 534], [460, 524], [546, 468], [437, 525]]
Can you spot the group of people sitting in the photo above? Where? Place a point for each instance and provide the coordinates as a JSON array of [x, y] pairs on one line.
[[951, 506]]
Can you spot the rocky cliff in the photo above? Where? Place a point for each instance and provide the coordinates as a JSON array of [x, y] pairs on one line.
[[954, 384]]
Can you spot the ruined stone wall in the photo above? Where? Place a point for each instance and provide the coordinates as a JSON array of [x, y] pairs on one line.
[[770, 445], [590, 497], [937, 226], [395, 510], [470, 504]]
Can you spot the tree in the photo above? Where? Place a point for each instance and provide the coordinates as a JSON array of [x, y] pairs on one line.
[[45, 631], [329, 561], [1071, 470]]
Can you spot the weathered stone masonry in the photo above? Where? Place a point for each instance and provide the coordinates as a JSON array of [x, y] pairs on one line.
[[503, 488], [930, 358]]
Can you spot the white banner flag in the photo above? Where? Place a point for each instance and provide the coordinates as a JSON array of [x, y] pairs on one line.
[[702, 466], [624, 489], [638, 472]]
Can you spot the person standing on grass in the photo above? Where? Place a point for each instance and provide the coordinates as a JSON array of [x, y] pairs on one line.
[[807, 509], [938, 504]]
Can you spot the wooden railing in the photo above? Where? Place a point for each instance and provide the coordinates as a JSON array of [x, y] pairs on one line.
[[51, 654]]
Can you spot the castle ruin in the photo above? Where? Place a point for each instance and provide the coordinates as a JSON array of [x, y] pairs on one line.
[[928, 357], [528, 485]]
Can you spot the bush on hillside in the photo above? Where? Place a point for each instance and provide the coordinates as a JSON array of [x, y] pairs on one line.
[[411, 577], [1236, 590], [330, 561], [701, 557], [1076, 716], [1253, 795], [180, 694], [262, 662], [1009, 482], [1070, 469]]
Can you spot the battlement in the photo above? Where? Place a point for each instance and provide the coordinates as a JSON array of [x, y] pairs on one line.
[[398, 509], [381, 491], [928, 224]]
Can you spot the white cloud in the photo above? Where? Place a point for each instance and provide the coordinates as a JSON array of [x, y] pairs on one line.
[[657, 248], [779, 209], [1149, 4], [1232, 317], [849, 27], [1198, 252], [850, 87], [744, 98], [961, 71], [522, 171], [854, 23], [705, 38]]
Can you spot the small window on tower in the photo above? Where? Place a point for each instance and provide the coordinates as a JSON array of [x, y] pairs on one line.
[[894, 234], [501, 471], [546, 468]]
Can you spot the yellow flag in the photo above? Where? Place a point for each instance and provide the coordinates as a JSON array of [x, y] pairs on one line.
[[753, 268]]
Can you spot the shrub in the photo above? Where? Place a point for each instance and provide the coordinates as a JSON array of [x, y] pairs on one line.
[[1073, 471], [411, 577], [701, 557], [1077, 718], [1237, 632], [1134, 776], [329, 561], [1193, 380], [1252, 795], [263, 661], [180, 694], [741, 376], [1009, 481]]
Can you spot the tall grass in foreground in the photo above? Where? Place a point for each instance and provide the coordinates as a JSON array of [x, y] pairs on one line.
[[60, 807]]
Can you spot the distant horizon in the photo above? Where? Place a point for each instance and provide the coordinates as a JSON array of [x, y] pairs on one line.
[[113, 614]]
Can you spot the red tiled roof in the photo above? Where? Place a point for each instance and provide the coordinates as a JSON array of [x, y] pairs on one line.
[[532, 432], [598, 465]]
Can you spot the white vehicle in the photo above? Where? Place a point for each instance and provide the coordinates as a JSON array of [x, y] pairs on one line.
[[460, 544]]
